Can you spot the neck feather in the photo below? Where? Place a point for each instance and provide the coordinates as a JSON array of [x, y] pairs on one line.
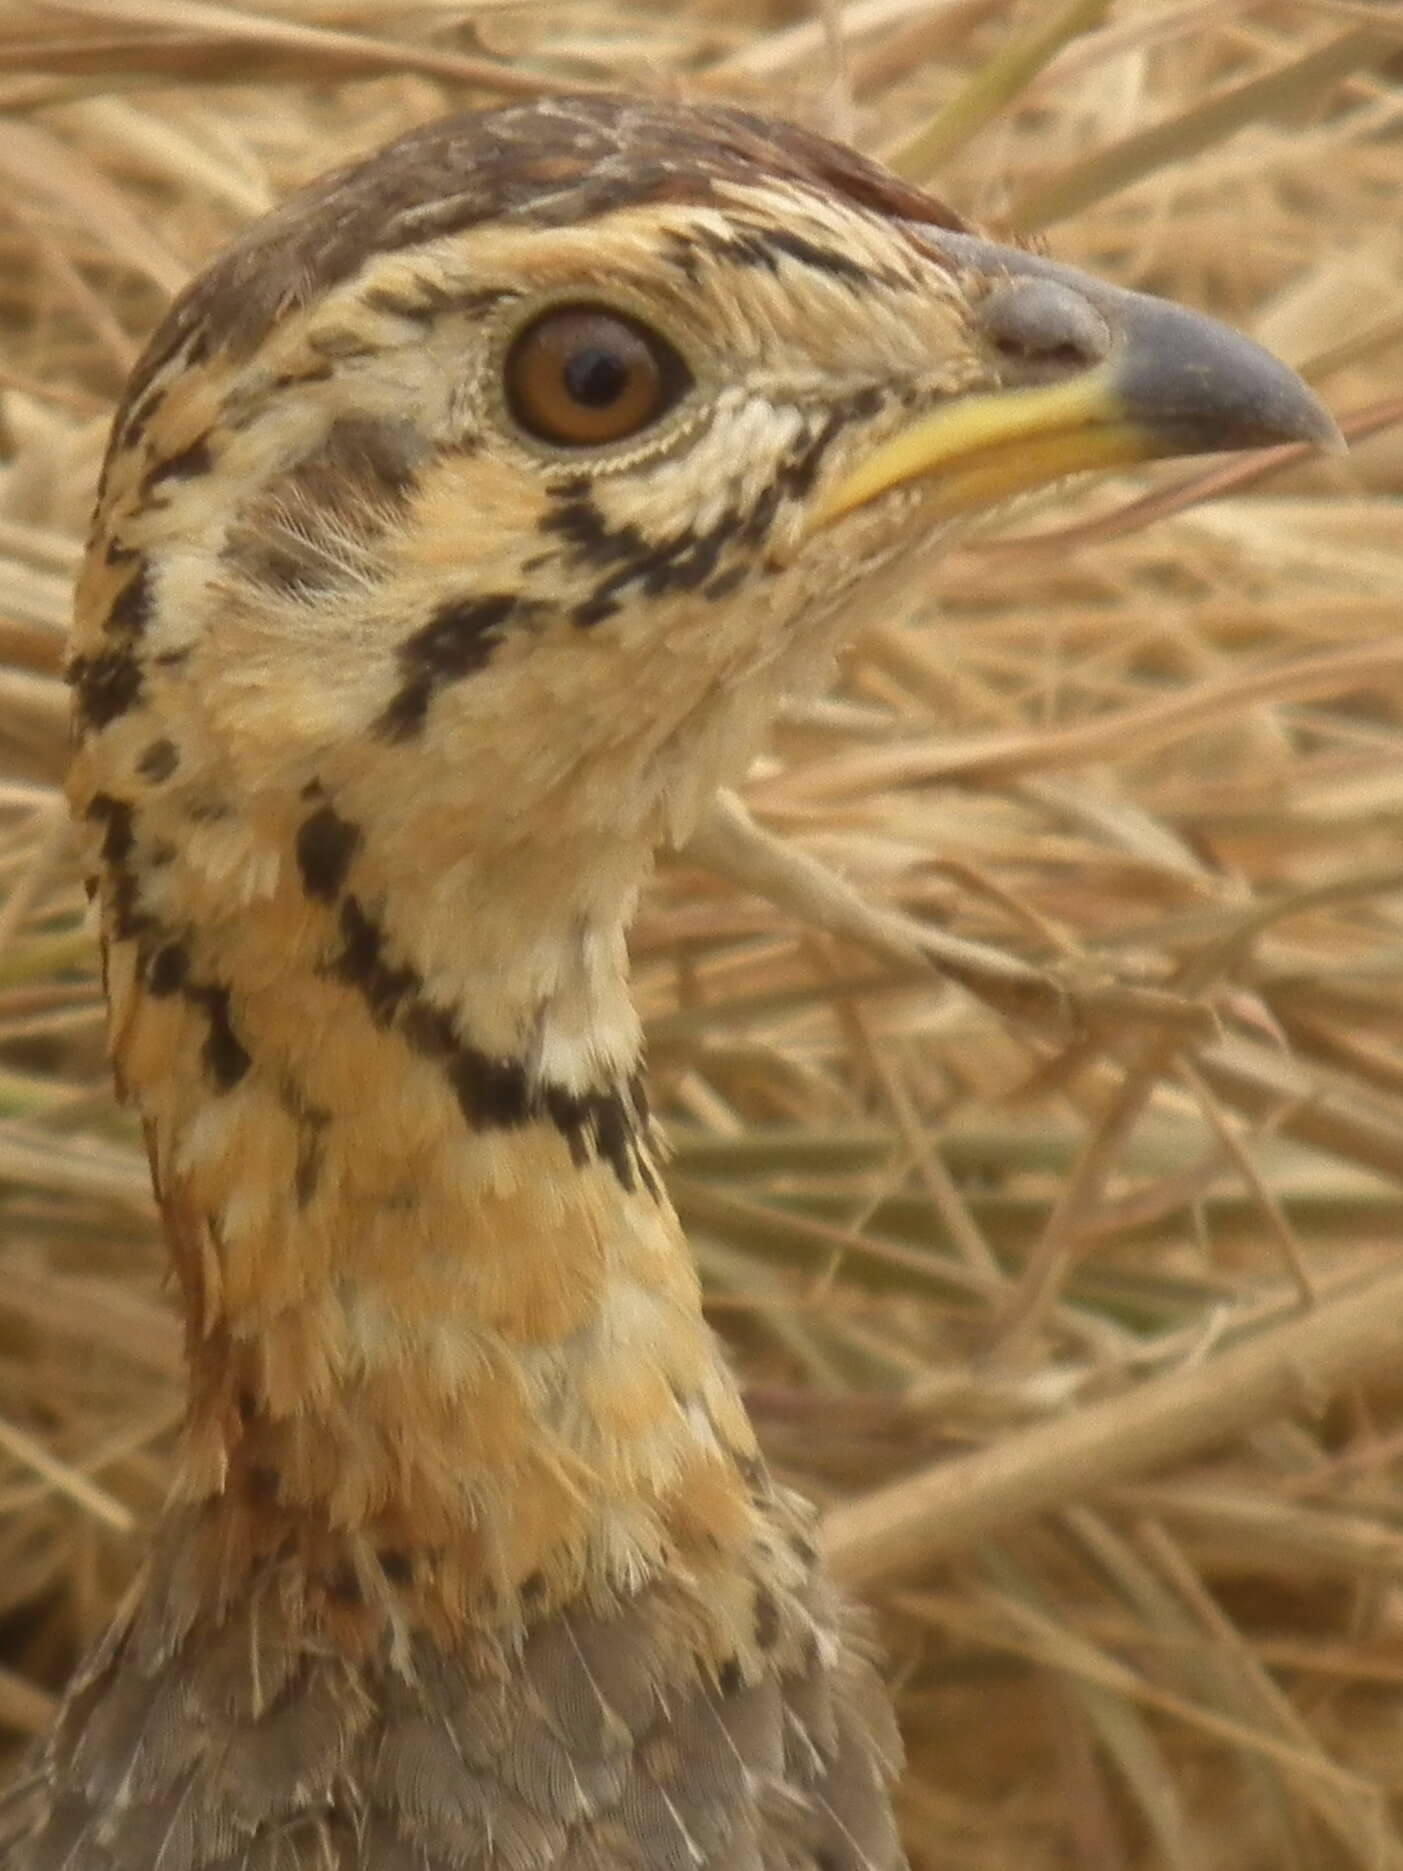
[[440, 1313]]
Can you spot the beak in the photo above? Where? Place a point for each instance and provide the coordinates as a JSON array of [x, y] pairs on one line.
[[1085, 375]]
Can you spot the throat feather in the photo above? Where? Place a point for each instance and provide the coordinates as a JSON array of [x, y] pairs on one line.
[[435, 1293]]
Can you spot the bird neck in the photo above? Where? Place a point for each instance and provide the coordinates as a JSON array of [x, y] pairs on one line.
[[441, 1318]]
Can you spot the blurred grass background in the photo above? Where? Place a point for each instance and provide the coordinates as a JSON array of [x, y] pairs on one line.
[[1033, 1057]]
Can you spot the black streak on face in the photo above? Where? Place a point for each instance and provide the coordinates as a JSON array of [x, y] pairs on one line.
[[598, 1123], [326, 844], [579, 522], [428, 299], [165, 962], [223, 1054], [131, 608], [168, 970], [128, 920], [362, 965], [119, 820], [635, 566], [105, 686], [188, 465], [683, 562], [492, 1093], [137, 418], [765, 248], [457, 641], [158, 761]]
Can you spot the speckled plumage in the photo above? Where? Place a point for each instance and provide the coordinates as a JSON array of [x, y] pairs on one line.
[[470, 1562]]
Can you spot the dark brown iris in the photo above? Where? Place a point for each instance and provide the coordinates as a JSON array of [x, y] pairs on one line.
[[583, 375]]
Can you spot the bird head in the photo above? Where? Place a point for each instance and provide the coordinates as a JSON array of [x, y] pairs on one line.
[[497, 487]]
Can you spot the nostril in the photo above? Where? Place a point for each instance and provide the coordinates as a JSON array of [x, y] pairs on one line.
[[1072, 355], [1042, 325]]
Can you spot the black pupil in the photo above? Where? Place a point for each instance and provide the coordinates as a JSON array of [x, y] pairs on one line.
[[595, 376]]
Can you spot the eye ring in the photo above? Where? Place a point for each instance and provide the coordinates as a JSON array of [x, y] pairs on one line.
[[582, 376]]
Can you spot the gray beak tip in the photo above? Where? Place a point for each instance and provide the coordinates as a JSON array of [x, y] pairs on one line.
[[1330, 439], [1196, 384], [1198, 380]]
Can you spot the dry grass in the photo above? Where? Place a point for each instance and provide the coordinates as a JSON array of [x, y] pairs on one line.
[[1046, 1164]]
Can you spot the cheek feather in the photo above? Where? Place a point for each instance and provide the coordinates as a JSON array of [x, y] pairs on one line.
[[477, 511]]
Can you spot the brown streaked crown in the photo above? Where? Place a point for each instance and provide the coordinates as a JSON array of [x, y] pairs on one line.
[[548, 163]]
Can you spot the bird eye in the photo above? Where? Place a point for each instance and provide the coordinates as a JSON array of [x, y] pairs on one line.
[[581, 376]]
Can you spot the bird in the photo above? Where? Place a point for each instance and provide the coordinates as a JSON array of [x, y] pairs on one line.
[[462, 527]]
